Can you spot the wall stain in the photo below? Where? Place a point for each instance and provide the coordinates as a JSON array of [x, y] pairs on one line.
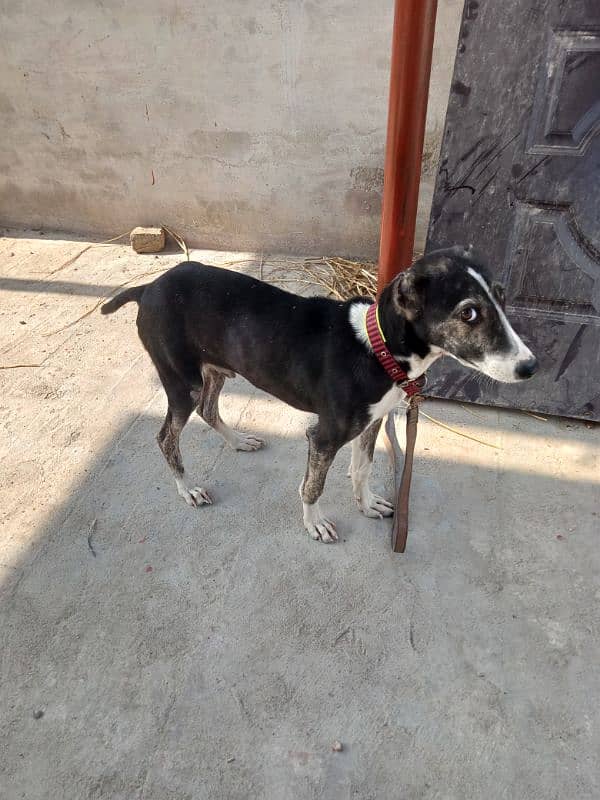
[[358, 202], [367, 179], [220, 143], [461, 88]]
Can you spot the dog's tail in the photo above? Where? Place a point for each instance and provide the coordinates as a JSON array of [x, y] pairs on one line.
[[135, 293]]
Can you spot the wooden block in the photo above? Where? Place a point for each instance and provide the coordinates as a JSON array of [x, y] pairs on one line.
[[147, 240]]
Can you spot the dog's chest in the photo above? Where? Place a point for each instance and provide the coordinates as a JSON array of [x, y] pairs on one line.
[[388, 402]]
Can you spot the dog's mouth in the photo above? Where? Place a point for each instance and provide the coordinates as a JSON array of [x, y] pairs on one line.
[[504, 370], [464, 362]]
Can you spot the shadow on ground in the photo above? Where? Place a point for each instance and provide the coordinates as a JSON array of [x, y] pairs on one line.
[[162, 653], [169, 653], [55, 287]]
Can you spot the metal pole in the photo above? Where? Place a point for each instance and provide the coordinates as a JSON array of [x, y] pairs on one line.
[[412, 45]]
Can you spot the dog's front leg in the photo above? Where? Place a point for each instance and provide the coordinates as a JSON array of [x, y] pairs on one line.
[[322, 449], [363, 448]]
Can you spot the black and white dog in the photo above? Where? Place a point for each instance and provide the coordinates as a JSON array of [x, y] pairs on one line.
[[202, 324]]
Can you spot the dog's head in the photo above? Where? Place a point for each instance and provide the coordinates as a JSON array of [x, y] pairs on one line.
[[451, 304]]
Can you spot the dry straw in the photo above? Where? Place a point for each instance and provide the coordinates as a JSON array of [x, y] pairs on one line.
[[339, 277]]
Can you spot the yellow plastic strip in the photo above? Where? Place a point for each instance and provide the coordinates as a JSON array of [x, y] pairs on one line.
[[379, 323]]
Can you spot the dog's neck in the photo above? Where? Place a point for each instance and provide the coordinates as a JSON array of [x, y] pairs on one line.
[[414, 355]]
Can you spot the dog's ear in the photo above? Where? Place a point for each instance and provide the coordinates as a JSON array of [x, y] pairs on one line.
[[499, 294], [408, 293]]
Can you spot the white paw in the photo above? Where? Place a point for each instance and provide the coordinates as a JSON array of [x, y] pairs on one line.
[[247, 442], [319, 528], [374, 506], [194, 497]]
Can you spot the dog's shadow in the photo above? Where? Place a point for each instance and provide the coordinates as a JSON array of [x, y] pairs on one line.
[[138, 615]]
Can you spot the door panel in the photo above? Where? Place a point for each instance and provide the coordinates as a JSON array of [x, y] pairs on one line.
[[519, 178]]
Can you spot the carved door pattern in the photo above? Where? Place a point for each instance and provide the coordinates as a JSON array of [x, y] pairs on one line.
[[519, 178]]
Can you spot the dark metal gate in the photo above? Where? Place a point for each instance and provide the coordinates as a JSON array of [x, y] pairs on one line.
[[519, 178]]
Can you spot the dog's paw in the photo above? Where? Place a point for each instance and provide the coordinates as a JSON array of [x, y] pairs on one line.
[[374, 506], [247, 442], [322, 530], [319, 528], [195, 497]]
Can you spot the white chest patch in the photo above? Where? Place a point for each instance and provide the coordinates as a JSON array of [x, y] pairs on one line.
[[358, 316], [416, 366], [390, 400]]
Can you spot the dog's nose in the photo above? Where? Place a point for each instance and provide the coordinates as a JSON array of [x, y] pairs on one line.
[[526, 368]]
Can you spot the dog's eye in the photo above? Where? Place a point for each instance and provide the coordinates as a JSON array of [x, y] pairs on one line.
[[469, 315]]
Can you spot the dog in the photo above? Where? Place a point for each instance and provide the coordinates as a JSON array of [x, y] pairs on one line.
[[203, 324]]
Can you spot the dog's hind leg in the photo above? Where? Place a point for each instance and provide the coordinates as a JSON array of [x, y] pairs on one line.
[[363, 447], [208, 408], [181, 406], [321, 452]]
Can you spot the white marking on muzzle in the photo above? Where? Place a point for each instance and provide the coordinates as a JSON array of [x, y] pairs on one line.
[[501, 366]]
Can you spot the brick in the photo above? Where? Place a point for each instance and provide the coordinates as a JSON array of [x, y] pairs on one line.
[[147, 240]]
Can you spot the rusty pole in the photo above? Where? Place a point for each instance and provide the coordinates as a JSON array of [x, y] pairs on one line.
[[412, 45]]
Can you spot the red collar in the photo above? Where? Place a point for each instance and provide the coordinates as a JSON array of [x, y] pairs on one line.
[[385, 358]]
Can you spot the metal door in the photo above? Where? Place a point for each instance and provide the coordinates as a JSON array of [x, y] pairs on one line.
[[519, 178]]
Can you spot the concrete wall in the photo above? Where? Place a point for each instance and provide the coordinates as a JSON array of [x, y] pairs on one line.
[[253, 126]]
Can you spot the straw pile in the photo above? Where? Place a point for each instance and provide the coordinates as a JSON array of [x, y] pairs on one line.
[[339, 277]]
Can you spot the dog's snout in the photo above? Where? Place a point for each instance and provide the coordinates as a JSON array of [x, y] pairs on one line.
[[526, 368]]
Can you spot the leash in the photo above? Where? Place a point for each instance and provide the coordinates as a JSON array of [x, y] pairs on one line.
[[412, 389], [400, 525]]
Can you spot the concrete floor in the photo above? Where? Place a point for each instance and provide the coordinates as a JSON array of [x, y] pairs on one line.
[[153, 651]]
